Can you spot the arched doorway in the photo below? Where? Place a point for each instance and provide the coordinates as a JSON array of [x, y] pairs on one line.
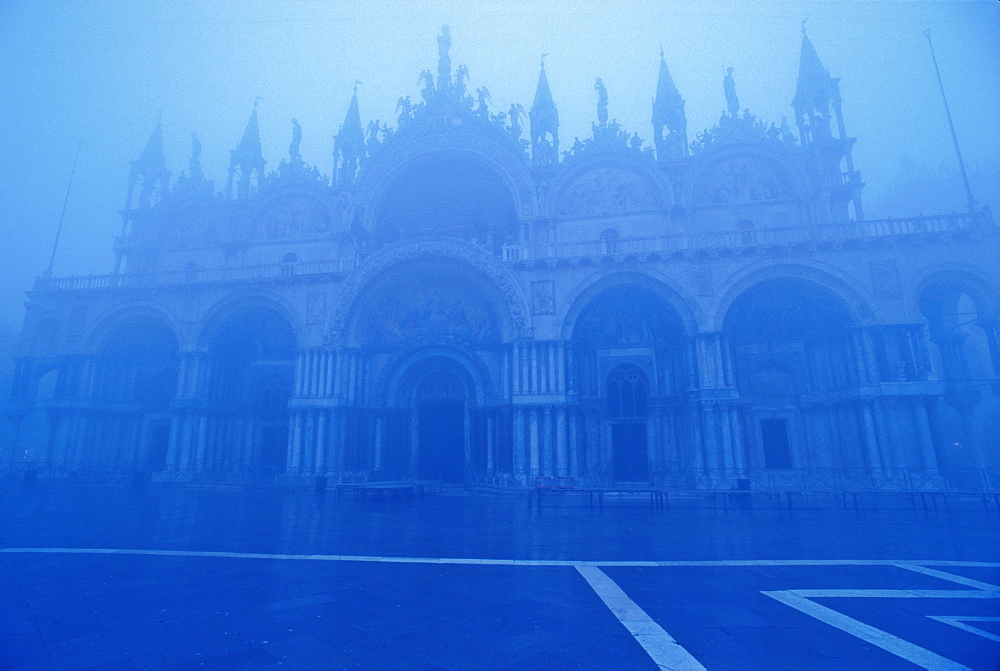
[[629, 375], [628, 411], [137, 369], [251, 356], [966, 355], [436, 394], [790, 346], [440, 405]]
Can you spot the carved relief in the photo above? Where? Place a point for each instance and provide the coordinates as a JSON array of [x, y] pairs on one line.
[[543, 297], [428, 309], [296, 215], [316, 308], [623, 318], [377, 264], [607, 191], [741, 179]]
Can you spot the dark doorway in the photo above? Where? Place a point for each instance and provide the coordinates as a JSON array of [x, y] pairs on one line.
[[628, 407], [628, 447], [774, 438], [273, 449], [156, 448], [442, 441]]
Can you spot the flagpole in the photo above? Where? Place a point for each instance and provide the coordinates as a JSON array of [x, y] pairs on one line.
[[973, 206], [62, 215]]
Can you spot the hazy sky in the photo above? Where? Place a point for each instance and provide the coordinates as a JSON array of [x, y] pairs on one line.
[[99, 72]]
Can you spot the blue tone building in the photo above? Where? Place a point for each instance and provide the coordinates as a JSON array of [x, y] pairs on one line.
[[469, 300]]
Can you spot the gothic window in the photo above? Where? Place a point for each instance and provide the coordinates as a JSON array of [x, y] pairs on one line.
[[746, 230], [628, 393]]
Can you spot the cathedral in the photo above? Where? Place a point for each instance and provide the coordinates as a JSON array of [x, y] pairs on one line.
[[467, 301]]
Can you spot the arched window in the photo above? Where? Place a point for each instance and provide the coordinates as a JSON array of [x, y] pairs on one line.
[[611, 241], [747, 234], [288, 262], [628, 393]]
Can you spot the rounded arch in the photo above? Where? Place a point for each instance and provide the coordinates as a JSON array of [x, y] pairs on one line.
[[378, 176], [108, 321], [857, 305], [138, 361], [684, 306], [743, 172], [225, 308], [405, 372], [931, 287], [494, 280], [606, 183]]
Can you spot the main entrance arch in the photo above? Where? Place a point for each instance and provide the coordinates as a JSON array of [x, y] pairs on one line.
[[438, 393]]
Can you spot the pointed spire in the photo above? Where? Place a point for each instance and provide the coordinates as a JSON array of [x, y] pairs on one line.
[[149, 170], [248, 157], [544, 118], [810, 67], [152, 154], [349, 145], [815, 91], [668, 114]]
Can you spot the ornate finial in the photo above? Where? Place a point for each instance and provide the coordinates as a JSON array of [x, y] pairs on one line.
[[357, 83], [661, 50], [543, 59], [804, 25]]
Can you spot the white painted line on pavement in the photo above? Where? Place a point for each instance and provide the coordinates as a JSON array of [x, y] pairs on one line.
[[922, 657], [904, 563], [959, 621], [658, 644]]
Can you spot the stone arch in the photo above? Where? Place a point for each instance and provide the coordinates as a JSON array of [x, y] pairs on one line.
[[378, 176], [971, 282], [104, 323], [858, 305], [683, 305], [221, 310], [293, 213], [138, 359], [760, 173], [606, 184], [400, 374], [513, 317]]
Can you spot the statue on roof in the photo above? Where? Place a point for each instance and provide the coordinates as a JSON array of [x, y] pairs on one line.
[[482, 99], [427, 79], [602, 102], [194, 164], [444, 60], [729, 86], [293, 148]]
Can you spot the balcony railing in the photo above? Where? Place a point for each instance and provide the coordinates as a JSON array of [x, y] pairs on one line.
[[198, 275], [854, 230]]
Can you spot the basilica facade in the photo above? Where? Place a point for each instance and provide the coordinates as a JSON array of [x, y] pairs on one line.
[[467, 301]]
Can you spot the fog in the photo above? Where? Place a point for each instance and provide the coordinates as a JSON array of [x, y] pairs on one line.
[[100, 73]]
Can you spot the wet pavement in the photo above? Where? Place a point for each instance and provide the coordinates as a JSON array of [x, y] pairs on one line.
[[187, 577]]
